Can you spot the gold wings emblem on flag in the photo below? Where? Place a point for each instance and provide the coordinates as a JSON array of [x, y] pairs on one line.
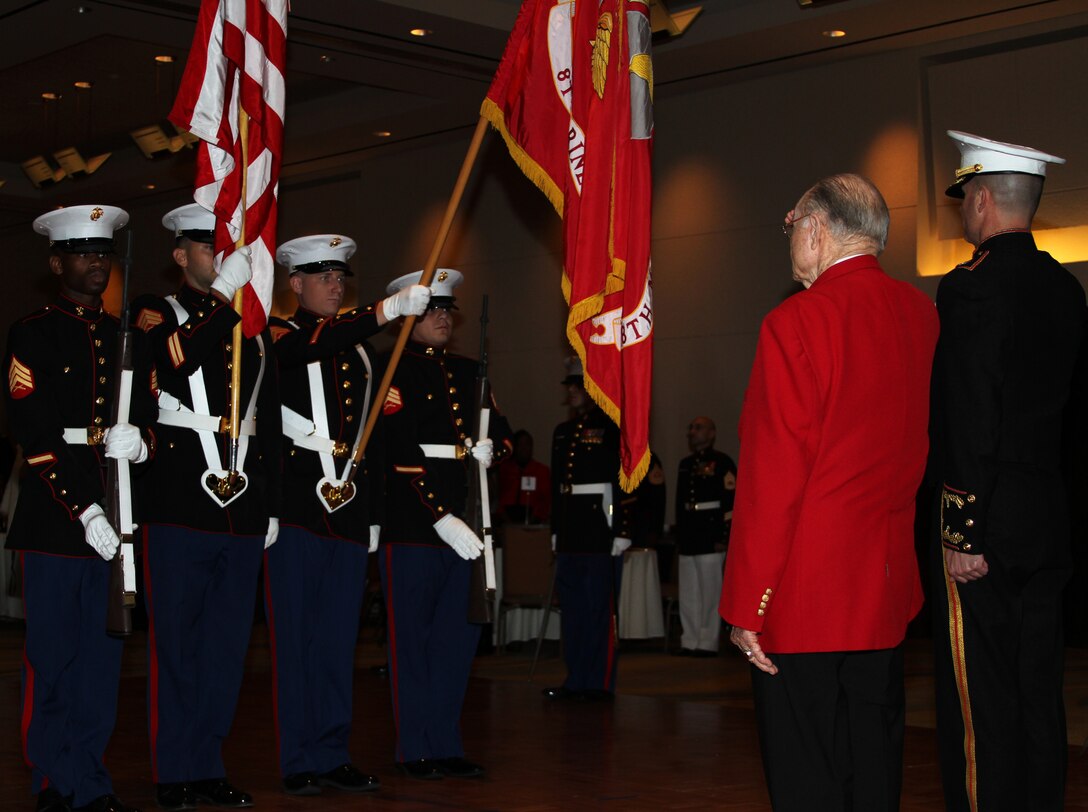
[[601, 47]]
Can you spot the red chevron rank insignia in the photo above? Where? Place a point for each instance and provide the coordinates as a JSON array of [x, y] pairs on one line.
[[393, 403], [20, 379]]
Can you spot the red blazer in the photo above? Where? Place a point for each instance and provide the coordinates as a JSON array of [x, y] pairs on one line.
[[833, 441]]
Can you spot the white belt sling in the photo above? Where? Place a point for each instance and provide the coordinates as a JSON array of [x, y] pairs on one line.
[[173, 413], [314, 434]]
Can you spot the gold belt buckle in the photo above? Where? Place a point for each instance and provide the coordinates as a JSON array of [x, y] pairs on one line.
[[340, 450], [224, 425], [96, 435], [460, 453], [564, 488]]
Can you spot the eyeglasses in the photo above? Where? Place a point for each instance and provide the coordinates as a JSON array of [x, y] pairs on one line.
[[787, 228]]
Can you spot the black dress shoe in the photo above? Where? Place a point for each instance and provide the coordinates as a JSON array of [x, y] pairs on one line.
[[349, 778], [107, 803], [301, 784], [421, 770], [459, 768], [217, 792], [50, 800], [559, 692], [175, 797]]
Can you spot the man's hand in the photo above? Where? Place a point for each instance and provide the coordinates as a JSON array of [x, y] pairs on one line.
[[236, 270], [409, 301], [459, 536], [273, 532], [483, 451], [375, 534], [748, 643], [619, 544], [123, 442], [963, 567], [98, 532]]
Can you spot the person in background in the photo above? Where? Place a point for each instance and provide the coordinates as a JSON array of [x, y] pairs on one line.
[[591, 530], [705, 487], [821, 578], [61, 371], [1012, 343], [525, 485]]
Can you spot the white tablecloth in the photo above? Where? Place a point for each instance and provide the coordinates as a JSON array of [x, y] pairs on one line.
[[640, 595]]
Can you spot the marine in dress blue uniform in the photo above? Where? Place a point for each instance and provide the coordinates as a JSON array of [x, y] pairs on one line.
[[202, 552], [315, 574], [61, 386], [706, 485], [1012, 331], [590, 517], [426, 547]]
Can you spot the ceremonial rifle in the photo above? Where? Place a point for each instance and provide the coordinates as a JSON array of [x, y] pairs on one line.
[[122, 589], [481, 596]]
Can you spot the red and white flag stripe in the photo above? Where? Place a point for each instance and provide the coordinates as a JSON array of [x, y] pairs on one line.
[[239, 58]]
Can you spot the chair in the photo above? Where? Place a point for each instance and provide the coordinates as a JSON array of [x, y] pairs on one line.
[[528, 569]]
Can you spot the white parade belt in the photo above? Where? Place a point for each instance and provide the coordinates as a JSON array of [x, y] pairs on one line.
[[601, 489], [439, 451], [174, 413], [712, 505], [303, 433], [92, 435]]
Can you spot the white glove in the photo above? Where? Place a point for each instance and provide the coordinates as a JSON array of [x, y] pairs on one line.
[[375, 534], [236, 270], [273, 532], [619, 545], [98, 533], [553, 542], [409, 301], [483, 451], [123, 442], [457, 534]]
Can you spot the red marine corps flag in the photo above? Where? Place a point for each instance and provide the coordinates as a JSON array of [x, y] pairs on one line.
[[237, 62], [573, 100]]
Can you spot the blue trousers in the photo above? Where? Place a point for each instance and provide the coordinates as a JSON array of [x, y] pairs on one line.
[[200, 590], [71, 669], [588, 585], [431, 646], [313, 596]]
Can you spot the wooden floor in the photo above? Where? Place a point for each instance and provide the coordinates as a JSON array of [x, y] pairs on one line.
[[679, 736]]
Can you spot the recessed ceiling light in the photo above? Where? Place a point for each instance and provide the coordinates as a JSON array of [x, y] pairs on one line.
[[149, 186], [84, 9], [51, 96], [165, 58], [382, 133], [84, 85], [835, 33], [420, 32], [326, 58]]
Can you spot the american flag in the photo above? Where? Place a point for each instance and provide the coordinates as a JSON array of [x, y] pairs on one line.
[[238, 60]]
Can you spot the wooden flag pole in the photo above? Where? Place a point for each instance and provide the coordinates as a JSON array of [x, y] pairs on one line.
[[236, 337], [347, 490]]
